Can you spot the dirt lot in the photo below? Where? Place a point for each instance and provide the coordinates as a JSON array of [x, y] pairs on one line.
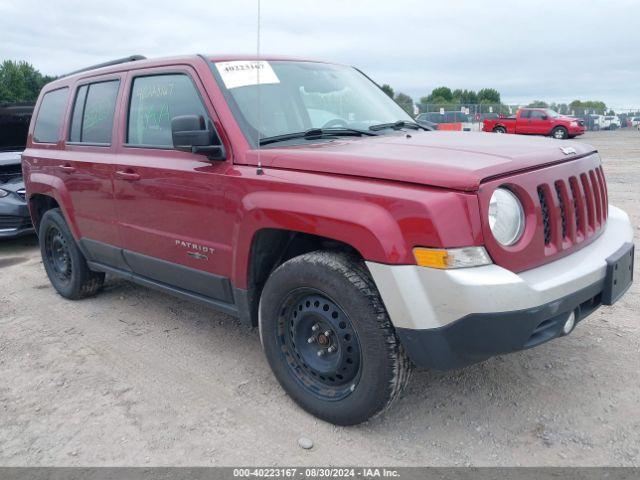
[[135, 377]]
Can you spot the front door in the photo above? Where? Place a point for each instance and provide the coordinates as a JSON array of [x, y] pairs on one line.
[[171, 204], [539, 122]]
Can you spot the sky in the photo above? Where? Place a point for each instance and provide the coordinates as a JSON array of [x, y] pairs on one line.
[[529, 50]]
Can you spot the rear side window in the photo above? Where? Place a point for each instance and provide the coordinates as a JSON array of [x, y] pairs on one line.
[[155, 100], [93, 111], [50, 115]]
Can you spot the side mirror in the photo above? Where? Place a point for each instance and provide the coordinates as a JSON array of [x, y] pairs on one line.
[[192, 133], [545, 117]]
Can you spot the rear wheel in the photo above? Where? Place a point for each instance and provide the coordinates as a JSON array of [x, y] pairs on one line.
[[560, 133], [329, 340], [63, 261], [499, 130]]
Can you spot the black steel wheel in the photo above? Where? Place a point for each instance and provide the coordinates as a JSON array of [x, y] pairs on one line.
[[329, 340], [63, 261], [319, 344], [57, 254]]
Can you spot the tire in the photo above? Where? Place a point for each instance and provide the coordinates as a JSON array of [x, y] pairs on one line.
[[499, 130], [560, 133], [321, 300], [63, 261]]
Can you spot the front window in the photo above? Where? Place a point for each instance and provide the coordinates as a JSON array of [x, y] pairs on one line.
[[296, 96], [155, 100]]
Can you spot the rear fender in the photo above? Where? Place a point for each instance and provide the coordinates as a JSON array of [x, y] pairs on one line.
[[39, 183]]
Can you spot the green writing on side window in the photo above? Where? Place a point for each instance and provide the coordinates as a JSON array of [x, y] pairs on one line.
[[155, 100], [95, 115], [154, 118]]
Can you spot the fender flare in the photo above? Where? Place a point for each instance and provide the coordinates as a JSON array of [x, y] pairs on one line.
[[373, 231], [41, 183]]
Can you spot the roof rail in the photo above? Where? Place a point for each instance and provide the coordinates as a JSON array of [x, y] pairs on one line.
[[131, 58]]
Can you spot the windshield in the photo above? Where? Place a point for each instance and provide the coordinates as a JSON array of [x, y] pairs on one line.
[[296, 96], [552, 113]]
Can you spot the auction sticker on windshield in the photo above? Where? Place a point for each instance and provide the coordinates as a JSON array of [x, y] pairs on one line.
[[244, 73]]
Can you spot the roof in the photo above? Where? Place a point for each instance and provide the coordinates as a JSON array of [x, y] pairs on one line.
[[137, 61]]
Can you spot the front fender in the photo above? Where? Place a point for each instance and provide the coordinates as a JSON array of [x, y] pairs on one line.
[[367, 227]]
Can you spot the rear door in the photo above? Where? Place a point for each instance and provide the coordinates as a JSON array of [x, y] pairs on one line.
[[79, 151], [173, 220], [88, 164]]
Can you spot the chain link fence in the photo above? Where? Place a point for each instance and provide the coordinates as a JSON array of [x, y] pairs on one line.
[[471, 116]]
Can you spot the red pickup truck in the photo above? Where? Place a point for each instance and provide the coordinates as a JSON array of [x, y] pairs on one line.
[[358, 243], [536, 121]]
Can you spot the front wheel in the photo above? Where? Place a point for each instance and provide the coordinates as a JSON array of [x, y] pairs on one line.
[[560, 133], [499, 130], [329, 340]]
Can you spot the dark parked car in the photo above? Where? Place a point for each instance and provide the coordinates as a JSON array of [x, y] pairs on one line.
[[429, 120], [456, 117], [14, 125]]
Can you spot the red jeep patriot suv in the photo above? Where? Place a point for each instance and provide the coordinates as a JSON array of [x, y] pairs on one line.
[[298, 197]]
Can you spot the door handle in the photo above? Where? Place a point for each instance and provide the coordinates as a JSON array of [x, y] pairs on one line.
[[129, 176], [67, 168]]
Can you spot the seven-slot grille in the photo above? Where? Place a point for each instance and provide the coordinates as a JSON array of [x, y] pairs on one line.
[[573, 209]]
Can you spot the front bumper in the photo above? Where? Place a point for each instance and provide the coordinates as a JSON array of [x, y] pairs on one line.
[[574, 131], [451, 318]]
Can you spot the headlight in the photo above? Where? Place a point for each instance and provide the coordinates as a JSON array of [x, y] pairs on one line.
[[574, 124], [3, 193], [506, 217]]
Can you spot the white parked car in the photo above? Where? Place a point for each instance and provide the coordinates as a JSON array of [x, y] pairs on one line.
[[635, 122], [611, 122]]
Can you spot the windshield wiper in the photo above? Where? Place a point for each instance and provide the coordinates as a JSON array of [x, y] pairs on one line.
[[314, 133], [396, 126]]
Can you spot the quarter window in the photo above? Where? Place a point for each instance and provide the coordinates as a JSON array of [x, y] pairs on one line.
[[93, 112], [155, 100], [49, 121]]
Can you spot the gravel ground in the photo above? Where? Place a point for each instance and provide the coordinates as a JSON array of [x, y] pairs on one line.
[[135, 377]]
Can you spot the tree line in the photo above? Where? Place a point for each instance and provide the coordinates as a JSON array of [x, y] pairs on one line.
[[578, 107], [20, 82], [445, 97]]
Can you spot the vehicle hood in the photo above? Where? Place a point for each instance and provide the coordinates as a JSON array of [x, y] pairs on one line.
[[10, 158], [455, 160]]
